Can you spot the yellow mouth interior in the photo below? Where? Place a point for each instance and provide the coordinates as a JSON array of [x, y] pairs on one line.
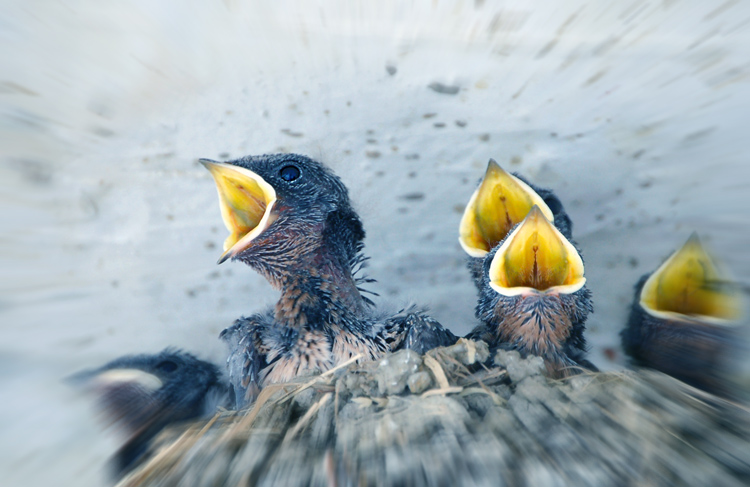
[[536, 256], [688, 284], [246, 201], [499, 203]]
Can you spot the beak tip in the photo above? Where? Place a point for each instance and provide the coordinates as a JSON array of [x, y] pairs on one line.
[[535, 213], [493, 166], [207, 163]]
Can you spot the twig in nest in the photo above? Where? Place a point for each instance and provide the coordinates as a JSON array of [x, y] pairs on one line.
[[483, 390], [168, 458], [318, 378], [330, 466], [437, 371], [471, 350], [304, 420], [442, 391], [484, 377], [247, 421]]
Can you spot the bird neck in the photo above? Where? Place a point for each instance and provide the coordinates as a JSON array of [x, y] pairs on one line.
[[319, 290], [535, 324]]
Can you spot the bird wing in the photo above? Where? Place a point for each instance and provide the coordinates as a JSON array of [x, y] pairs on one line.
[[412, 328], [246, 359]]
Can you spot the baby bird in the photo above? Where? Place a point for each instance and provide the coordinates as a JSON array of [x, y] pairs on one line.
[[533, 296], [682, 320], [501, 201], [290, 219], [142, 394]]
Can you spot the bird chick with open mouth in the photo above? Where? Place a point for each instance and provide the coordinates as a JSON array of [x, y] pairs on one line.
[[533, 296], [683, 320], [290, 219]]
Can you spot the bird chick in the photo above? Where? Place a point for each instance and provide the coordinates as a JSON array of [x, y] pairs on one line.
[[683, 320], [533, 296], [500, 202], [142, 394], [290, 218]]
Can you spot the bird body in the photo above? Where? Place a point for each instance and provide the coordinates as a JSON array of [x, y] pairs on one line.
[[532, 293], [533, 297], [546, 325], [683, 320], [290, 219], [142, 394], [263, 352]]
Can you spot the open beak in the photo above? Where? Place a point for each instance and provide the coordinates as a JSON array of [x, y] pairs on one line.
[[689, 284], [246, 201], [136, 377], [536, 257], [499, 203]]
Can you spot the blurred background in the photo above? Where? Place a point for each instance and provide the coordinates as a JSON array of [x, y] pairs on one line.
[[634, 112]]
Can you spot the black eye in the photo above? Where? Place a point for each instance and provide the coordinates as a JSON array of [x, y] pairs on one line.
[[289, 173], [166, 366]]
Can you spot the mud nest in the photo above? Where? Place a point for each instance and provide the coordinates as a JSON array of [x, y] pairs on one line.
[[442, 420]]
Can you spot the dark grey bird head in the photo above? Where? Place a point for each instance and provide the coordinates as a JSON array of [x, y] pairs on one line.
[[500, 202], [683, 320], [690, 286], [277, 207], [141, 394], [533, 296]]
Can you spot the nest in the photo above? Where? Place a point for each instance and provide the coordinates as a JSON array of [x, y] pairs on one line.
[[442, 419]]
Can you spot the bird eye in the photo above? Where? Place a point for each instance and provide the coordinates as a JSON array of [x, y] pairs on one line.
[[289, 173], [166, 366]]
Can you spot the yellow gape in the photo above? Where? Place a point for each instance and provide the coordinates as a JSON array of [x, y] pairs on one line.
[[688, 284], [499, 203], [536, 257], [246, 201]]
